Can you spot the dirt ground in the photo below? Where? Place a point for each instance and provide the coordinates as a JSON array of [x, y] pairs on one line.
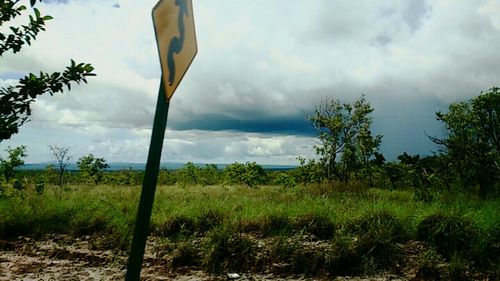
[[58, 258]]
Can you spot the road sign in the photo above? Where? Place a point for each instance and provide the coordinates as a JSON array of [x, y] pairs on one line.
[[176, 39]]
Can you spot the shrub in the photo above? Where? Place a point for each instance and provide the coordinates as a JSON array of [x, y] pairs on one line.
[[450, 234]]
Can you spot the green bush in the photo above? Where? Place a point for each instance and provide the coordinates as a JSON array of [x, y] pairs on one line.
[[450, 234]]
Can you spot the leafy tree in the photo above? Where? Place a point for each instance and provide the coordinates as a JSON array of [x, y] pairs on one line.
[[472, 140], [62, 157], [92, 167], [189, 173], [346, 141], [209, 174], [249, 174], [13, 161], [15, 101]]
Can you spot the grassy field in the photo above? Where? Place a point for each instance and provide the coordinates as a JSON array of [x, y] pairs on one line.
[[316, 230]]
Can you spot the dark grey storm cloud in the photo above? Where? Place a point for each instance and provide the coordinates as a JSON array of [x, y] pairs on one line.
[[295, 125]]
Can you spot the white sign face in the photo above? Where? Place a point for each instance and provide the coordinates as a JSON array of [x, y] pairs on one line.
[[175, 35]]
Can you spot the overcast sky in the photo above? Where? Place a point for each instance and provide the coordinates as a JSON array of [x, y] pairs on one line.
[[261, 66]]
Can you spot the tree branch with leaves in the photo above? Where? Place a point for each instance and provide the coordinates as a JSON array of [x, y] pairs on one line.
[[16, 100]]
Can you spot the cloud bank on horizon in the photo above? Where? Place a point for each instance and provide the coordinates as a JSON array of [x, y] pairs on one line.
[[261, 66]]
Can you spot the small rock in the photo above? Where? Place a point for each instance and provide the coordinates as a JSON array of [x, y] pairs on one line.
[[233, 275]]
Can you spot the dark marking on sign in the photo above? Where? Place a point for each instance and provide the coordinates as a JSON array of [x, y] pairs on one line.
[[177, 43]]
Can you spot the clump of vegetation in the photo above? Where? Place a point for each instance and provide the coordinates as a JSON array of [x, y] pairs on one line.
[[378, 234], [317, 224], [276, 224], [429, 267], [250, 174], [209, 220], [180, 225], [227, 249], [346, 141], [380, 225], [185, 254], [449, 234], [92, 167], [285, 180]]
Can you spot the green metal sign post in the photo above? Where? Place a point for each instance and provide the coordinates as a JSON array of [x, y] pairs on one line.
[[148, 188], [176, 40]]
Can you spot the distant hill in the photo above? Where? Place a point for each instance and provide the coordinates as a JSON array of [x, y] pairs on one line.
[[119, 166]]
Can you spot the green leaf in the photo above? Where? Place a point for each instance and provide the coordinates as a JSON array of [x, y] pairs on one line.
[[47, 18], [37, 13]]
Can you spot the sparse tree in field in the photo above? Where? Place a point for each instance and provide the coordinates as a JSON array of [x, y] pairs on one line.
[[472, 140], [92, 167], [15, 101], [189, 173], [346, 141], [62, 157], [12, 161], [249, 174]]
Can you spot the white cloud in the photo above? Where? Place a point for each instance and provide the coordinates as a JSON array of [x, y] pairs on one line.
[[258, 61]]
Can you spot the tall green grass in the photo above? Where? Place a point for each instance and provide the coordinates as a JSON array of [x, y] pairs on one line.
[[377, 218]]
